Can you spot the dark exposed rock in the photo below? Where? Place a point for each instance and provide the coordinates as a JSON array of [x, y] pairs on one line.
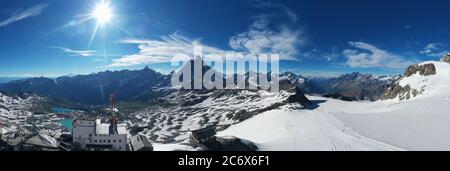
[[446, 58], [230, 144], [298, 96], [136, 129], [242, 115], [425, 70], [406, 92]]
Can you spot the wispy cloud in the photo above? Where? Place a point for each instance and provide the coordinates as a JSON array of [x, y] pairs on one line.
[[370, 56], [71, 52], [260, 39], [158, 51], [23, 14], [434, 49], [281, 7]]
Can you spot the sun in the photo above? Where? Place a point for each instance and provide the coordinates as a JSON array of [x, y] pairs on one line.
[[102, 13]]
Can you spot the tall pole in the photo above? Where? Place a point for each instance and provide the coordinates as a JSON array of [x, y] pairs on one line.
[[113, 101], [113, 118]]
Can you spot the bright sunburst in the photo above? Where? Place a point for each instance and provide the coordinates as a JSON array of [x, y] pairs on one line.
[[103, 13]]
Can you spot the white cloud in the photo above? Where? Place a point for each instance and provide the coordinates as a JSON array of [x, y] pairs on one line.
[[158, 51], [83, 53], [260, 39], [434, 50], [23, 14], [369, 56], [257, 40]]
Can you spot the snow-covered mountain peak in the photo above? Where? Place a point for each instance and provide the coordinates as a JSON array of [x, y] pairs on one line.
[[292, 77]]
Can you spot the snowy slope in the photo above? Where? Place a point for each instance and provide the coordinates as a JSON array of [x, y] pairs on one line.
[[288, 130], [424, 80], [432, 85], [418, 124]]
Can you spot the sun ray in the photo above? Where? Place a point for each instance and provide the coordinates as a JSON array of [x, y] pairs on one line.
[[97, 26]]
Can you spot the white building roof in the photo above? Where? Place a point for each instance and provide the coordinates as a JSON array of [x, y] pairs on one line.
[[122, 129], [103, 128]]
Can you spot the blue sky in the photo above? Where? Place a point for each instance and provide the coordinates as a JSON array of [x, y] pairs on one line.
[[314, 37]]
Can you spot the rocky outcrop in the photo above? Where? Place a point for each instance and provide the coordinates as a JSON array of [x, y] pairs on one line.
[[446, 58], [425, 70], [297, 95], [403, 93], [406, 92], [230, 143]]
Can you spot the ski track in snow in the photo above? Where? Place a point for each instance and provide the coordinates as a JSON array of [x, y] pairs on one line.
[[299, 130]]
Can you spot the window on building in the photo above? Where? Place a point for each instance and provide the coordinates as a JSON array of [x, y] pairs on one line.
[[90, 135], [114, 140], [95, 140], [120, 140], [109, 141]]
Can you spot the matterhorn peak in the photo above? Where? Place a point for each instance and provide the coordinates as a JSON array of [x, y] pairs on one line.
[[146, 68]]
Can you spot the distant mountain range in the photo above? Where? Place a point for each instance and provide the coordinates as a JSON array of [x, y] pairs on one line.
[[8, 79], [147, 85], [351, 86], [95, 88]]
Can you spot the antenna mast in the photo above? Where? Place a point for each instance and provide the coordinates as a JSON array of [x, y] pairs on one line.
[[113, 118]]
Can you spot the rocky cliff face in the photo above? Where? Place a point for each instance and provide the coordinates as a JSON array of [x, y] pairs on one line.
[[420, 79], [424, 70], [446, 58], [405, 92]]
